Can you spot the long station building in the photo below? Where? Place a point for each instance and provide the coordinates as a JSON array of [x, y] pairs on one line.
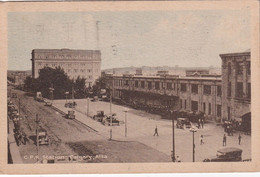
[[226, 97], [82, 63]]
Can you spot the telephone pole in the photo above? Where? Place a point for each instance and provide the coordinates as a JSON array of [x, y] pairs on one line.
[[37, 133]]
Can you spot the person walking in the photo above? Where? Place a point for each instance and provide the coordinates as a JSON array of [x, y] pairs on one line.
[[202, 123], [239, 139], [201, 140], [224, 140], [156, 131]]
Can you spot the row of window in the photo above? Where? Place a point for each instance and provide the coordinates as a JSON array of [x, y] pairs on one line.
[[67, 57], [239, 68], [195, 107], [67, 64], [169, 86], [195, 89], [239, 90], [78, 70]]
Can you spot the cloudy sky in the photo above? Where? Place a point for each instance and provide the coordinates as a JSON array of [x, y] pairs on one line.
[[134, 38]]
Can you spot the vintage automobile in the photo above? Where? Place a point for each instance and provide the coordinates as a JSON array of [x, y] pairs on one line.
[[183, 123], [229, 154], [95, 98], [70, 114], [48, 103], [42, 136], [70, 104], [115, 121], [100, 116]]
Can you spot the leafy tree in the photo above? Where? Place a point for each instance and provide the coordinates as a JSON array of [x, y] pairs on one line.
[[80, 87]]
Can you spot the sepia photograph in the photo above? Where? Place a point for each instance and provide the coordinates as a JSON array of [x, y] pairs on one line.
[[130, 86]]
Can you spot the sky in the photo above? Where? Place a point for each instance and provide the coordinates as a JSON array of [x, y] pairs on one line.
[[132, 38]]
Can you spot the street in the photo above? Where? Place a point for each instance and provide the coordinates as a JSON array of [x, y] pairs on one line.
[[69, 137]]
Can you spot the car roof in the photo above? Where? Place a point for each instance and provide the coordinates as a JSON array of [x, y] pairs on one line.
[[229, 149], [182, 118]]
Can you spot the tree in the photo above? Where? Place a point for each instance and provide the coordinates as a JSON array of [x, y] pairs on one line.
[[80, 87]]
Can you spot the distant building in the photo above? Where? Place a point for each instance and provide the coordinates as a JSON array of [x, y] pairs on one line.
[[162, 73], [190, 73], [83, 63], [139, 72], [236, 84]]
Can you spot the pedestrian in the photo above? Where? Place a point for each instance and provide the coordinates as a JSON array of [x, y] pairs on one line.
[[239, 139], [224, 140], [228, 130], [198, 123], [178, 159], [156, 131], [202, 123], [201, 140]]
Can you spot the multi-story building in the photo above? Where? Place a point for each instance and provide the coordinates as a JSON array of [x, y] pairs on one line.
[[181, 93], [83, 63], [218, 98], [236, 84]]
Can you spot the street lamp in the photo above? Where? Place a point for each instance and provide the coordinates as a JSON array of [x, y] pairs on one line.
[[193, 130], [173, 138], [125, 110], [66, 93]]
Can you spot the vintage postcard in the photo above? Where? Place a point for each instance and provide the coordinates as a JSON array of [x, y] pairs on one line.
[[129, 87]]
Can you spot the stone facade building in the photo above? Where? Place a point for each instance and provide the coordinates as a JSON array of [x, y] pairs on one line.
[[218, 98], [236, 84], [181, 93], [83, 63]]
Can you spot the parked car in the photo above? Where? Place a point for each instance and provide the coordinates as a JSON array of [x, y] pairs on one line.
[[48, 103], [99, 116], [115, 121], [95, 98], [70, 115], [42, 136], [229, 154], [183, 123]]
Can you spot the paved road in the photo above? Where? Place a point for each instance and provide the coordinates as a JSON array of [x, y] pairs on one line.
[[141, 125], [69, 137]]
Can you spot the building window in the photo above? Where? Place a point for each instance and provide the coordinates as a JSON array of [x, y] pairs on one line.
[[75, 70], [149, 85], [169, 86], [204, 107], [239, 89], [185, 104], [229, 68], [219, 110], [89, 70], [157, 85], [142, 84], [194, 106], [126, 83], [229, 113], [209, 108], [183, 87], [194, 88], [248, 68], [229, 89], [136, 84], [68, 70], [219, 91], [249, 90], [181, 103], [207, 89], [239, 67]]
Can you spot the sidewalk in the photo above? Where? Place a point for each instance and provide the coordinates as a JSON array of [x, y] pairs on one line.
[[14, 151]]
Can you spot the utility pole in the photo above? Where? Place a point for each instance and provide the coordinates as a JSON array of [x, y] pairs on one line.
[[37, 133], [125, 122], [88, 106], [173, 138], [111, 115], [193, 130]]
